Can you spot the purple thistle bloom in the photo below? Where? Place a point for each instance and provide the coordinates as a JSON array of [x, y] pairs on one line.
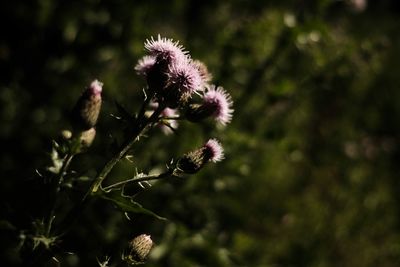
[[213, 150], [164, 49], [144, 65], [217, 99], [186, 77], [96, 87]]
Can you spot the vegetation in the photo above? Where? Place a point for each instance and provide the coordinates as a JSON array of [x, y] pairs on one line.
[[310, 170]]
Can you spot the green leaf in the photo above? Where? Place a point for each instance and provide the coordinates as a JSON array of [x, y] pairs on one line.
[[126, 204], [6, 225]]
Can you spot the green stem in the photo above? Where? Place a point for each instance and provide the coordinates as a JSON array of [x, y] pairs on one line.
[[173, 118], [140, 179], [142, 124], [57, 186]]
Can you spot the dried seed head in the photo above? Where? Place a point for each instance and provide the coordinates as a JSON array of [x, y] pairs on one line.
[[140, 247]]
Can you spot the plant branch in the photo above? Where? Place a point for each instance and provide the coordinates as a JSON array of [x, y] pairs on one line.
[[143, 122], [57, 185], [138, 179], [173, 118]]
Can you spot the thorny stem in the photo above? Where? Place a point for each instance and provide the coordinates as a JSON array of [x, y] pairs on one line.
[[137, 179], [60, 179], [147, 99], [141, 123]]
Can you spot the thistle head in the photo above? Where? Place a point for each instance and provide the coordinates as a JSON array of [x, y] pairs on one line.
[[87, 109], [183, 80], [217, 103], [140, 247], [95, 87], [144, 65], [193, 161], [165, 50], [213, 151]]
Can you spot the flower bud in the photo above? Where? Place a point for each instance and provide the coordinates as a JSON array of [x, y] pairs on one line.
[[140, 247], [66, 134], [86, 137], [193, 161], [86, 111]]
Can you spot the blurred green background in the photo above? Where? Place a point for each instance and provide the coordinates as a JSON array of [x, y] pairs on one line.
[[311, 175]]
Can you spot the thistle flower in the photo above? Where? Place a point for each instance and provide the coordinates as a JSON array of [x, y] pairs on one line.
[[183, 80], [213, 150], [165, 50], [193, 161], [217, 103], [140, 247], [144, 65], [86, 111], [220, 101]]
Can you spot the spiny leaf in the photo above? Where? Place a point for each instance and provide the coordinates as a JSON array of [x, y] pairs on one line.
[[126, 204]]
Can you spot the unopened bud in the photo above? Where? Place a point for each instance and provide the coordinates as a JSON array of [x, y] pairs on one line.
[[140, 247], [87, 109], [86, 138], [66, 134], [193, 161]]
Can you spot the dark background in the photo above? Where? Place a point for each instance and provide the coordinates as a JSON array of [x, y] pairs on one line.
[[311, 175]]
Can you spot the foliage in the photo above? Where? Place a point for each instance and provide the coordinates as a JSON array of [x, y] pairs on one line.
[[310, 175]]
